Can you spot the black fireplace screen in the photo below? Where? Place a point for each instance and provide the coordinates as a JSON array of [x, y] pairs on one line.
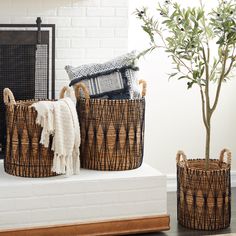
[[17, 70], [27, 65]]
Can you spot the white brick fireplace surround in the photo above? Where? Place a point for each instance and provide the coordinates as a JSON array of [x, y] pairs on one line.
[[86, 30]]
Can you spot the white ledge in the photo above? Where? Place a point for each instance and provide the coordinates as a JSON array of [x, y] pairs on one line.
[[89, 197]]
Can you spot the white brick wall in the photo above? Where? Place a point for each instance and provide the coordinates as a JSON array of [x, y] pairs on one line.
[[86, 30], [90, 196]]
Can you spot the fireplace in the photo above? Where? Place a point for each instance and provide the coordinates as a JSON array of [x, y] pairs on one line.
[[27, 64]]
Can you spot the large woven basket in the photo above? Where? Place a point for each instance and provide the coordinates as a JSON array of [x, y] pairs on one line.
[[112, 131], [204, 197], [25, 156]]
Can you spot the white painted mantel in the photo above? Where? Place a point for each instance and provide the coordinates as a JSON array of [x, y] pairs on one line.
[[91, 196]]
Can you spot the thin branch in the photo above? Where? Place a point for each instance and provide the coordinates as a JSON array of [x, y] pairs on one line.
[[203, 107], [205, 32], [206, 60], [230, 67], [220, 81], [208, 54], [165, 45], [207, 85], [183, 63], [179, 59], [213, 69], [231, 63]]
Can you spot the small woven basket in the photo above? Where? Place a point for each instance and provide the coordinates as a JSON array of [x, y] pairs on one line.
[[204, 197], [25, 156], [112, 131]]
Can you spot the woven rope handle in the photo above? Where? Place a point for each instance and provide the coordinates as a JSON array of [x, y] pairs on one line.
[[184, 158], [8, 97], [228, 155], [65, 90], [84, 89], [144, 87]]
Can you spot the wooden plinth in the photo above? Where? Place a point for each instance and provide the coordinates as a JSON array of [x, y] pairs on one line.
[[114, 227]]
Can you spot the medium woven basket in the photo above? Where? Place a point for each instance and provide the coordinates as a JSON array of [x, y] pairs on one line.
[[25, 156], [112, 131], [204, 197]]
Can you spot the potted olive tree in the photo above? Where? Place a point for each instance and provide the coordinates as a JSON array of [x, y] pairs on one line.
[[202, 47]]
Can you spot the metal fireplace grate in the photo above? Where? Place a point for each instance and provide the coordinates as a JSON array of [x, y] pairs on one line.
[[27, 64]]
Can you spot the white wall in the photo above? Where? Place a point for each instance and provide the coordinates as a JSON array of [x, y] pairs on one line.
[[95, 30], [86, 30], [173, 117]]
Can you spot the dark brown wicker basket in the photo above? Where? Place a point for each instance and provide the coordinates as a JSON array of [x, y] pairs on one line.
[[204, 197], [25, 156], [112, 131]]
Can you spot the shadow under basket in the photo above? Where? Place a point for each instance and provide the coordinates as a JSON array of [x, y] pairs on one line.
[[25, 156], [204, 196], [112, 131]]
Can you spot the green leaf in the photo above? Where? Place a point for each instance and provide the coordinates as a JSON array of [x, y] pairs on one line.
[[195, 74], [202, 71], [182, 77], [220, 52], [143, 53], [166, 22], [190, 84], [200, 14], [172, 75], [186, 15]]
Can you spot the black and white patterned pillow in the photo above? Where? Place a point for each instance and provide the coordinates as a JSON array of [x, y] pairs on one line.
[[115, 79]]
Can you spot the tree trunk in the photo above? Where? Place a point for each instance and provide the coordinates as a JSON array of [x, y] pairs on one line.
[[207, 147]]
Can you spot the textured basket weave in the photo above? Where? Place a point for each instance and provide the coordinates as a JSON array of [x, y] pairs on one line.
[[25, 156], [112, 131], [204, 197]]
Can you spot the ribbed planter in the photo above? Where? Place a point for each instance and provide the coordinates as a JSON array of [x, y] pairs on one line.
[[204, 197]]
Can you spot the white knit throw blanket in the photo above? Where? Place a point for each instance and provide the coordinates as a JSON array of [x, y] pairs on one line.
[[60, 120]]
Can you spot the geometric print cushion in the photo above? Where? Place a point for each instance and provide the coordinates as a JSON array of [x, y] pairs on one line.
[[115, 79]]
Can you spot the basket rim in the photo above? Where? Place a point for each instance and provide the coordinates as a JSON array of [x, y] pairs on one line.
[[223, 167], [23, 102], [112, 100]]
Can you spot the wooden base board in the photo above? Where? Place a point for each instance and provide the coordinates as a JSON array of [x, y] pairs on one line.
[[115, 227]]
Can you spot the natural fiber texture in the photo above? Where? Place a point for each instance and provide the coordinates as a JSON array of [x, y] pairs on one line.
[[59, 119], [25, 156], [112, 132], [204, 197]]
